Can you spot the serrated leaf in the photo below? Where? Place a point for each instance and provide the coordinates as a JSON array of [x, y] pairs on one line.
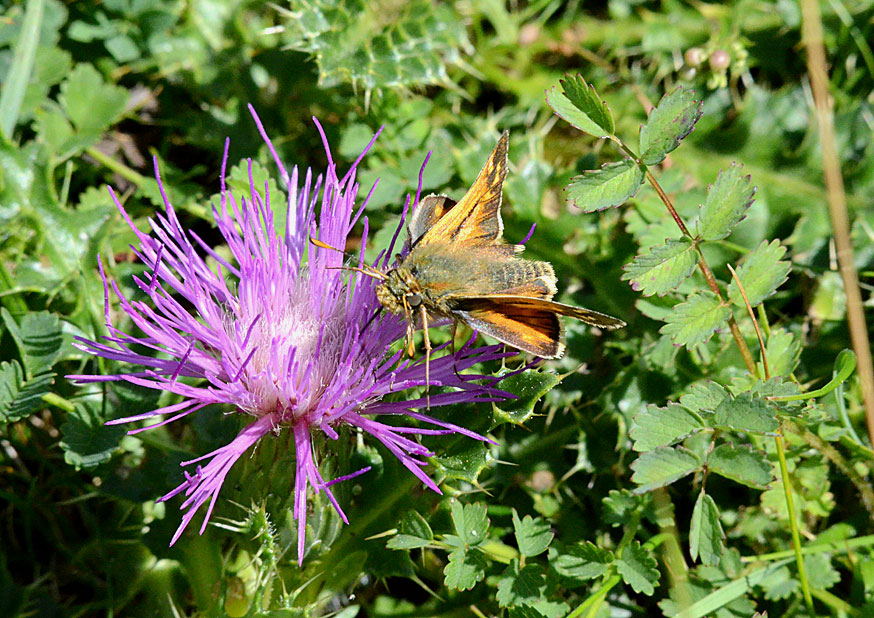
[[784, 350], [91, 104], [38, 338], [20, 398], [761, 274], [464, 569], [414, 532], [637, 566], [582, 562], [704, 396], [86, 441], [663, 466], [533, 535], [726, 204], [706, 537], [520, 585], [654, 426], [740, 464], [529, 387], [745, 413], [581, 106], [672, 120], [611, 185], [694, 321], [820, 572], [471, 522], [663, 268]]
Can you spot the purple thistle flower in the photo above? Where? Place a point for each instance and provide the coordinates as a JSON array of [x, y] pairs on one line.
[[292, 342]]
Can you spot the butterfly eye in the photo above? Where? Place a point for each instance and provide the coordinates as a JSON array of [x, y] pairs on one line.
[[414, 300]]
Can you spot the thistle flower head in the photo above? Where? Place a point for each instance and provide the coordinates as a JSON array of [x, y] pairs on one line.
[[278, 332]]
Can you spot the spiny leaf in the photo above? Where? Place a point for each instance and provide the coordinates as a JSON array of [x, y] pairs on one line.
[[727, 202], [740, 464], [581, 562], [414, 532], [695, 320], [529, 387], [663, 268], [663, 466], [611, 185], [637, 566], [581, 106], [705, 531], [761, 274], [656, 426], [744, 413], [533, 535], [672, 120]]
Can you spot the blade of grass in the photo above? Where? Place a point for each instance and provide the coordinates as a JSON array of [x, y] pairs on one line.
[[22, 66]]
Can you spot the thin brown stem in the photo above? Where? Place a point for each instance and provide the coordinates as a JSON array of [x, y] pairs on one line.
[[743, 293], [837, 202], [708, 276]]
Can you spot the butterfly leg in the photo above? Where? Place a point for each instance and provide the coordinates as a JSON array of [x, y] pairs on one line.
[[424, 313], [452, 345]]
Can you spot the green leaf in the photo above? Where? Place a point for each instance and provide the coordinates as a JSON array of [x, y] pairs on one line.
[[611, 185], [740, 464], [783, 350], [694, 321], [529, 387], [744, 413], [20, 398], [663, 466], [662, 268], [91, 104], [471, 522], [581, 106], [521, 585], [704, 396], [761, 274], [637, 566], [581, 562], [86, 441], [706, 537], [38, 338], [533, 535], [414, 532], [820, 572], [19, 72], [672, 120], [464, 569], [654, 426], [727, 202]]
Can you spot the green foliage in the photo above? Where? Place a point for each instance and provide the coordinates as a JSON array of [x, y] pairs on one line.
[[644, 451]]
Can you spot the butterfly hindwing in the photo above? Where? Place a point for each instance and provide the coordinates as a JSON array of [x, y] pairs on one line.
[[528, 328]]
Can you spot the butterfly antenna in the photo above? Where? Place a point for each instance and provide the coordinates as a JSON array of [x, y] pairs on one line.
[[364, 269]]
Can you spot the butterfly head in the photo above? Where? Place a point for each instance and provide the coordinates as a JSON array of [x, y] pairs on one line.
[[400, 292]]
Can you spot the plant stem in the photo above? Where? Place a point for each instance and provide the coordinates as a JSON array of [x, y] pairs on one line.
[[837, 202]]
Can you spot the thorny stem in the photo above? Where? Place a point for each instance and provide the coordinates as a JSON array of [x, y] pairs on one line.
[[708, 276]]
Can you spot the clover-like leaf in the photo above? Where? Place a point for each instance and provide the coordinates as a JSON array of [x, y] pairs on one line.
[[663, 466], [653, 426], [611, 185], [471, 522], [520, 585], [745, 413], [706, 538], [580, 105], [726, 204], [86, 441], [637, 566], [662, 268], [761, 274], [91, 104], [694, 321], [741, 464], [464, 569], [533, 535], [671, 120]]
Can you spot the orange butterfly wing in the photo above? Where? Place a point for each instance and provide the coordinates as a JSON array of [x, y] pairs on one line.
[[476, 218]]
